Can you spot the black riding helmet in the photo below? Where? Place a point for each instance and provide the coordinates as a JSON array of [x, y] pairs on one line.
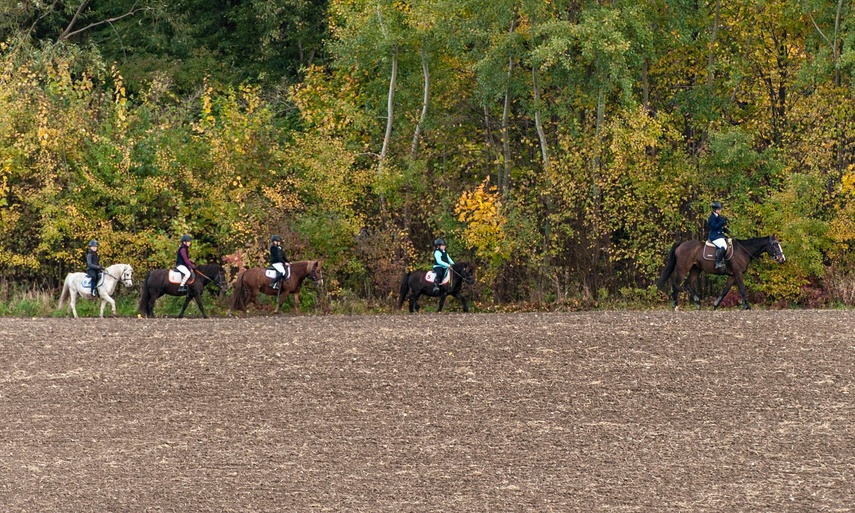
[[439, 242], [716, 205], [93, 243], [186, 238], [276, 238]]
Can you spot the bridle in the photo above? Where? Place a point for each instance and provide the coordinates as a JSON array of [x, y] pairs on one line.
[[127, 281], [777, 251], [314, 276], [468, 279]]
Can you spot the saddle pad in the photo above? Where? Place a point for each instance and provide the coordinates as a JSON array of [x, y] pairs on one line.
[[176, 277], [270, 273], [430, 276], [86, 282], [709, 251]]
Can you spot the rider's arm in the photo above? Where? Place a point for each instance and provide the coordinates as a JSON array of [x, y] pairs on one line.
[[437, 259], [90, 264]]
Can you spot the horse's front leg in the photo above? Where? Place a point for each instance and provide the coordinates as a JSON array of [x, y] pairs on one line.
[[442, 297], [107, 299], [741, 285], [297, 303], [198, 298], [462, 299], [724, 291], [186, 302]]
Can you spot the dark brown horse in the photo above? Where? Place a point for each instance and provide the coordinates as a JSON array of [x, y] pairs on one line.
[[687, 257], [157, 284], [416, 283], [252, 281]]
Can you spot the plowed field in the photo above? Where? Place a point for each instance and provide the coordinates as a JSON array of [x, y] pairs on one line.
[[597, 411]]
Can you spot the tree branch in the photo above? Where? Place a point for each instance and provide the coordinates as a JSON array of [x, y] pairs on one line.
[[68, 33]]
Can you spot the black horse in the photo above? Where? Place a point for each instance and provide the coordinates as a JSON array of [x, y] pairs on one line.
[[415, 284], [157, 284], [687, 257]]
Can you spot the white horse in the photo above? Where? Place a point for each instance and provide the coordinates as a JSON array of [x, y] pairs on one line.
[[110, 278]]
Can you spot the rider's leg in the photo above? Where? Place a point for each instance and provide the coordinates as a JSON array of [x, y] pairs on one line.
[[185, 275], [440, 274], [721, 249], [719, 258], [93, 284], [280, 273]]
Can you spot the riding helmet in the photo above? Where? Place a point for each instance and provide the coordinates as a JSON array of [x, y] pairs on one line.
[[186, 238], [93, 242], [716, 205], [439, 242], [276, 238]]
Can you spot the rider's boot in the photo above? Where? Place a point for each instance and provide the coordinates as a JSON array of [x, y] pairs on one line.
[[94, 291], [182, 287], [275, 284], [436, 282], [719, 259]]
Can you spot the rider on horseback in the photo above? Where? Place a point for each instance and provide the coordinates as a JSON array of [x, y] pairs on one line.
[[278, 261], [441, 263], [93, 267], [718, 227], [183, 263]]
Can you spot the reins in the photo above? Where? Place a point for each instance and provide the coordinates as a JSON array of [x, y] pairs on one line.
[[211, 280]]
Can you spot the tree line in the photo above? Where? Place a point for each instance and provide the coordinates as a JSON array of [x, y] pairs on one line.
[[561, 145]]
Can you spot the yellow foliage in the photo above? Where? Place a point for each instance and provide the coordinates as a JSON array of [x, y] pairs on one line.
[[481, 211]]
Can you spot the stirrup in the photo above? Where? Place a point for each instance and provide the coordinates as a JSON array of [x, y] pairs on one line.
[[182, 288], [275, 285]]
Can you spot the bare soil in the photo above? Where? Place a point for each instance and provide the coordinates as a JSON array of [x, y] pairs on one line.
[[594, 411]]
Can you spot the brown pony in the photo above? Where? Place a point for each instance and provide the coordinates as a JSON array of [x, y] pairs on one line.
[[687, 257], [252, 281]]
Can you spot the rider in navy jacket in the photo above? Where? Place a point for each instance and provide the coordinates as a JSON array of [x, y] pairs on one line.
[[718, 227], [93, 266], [278, 261], [183, 262]]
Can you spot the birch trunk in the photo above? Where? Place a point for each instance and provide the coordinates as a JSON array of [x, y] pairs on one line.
[[425, 102]]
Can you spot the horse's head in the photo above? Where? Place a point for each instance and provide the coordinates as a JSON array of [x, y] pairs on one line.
[[315, 273], [220, 279], [775, 251], [467, 273], [127, 276]]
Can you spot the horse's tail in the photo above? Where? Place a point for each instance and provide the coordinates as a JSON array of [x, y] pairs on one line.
[[239, 302], [64, 295], [405, 288], [145, 295], [670, 264]]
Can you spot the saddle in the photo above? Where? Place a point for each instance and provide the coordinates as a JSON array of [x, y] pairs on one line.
[[710, 249], [272, 273], [430, 276], [175, 276]]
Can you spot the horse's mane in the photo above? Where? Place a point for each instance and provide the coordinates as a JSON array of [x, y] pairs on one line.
[[754, 241], [755, 245]]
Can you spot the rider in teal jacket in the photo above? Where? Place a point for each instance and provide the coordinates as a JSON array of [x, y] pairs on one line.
[[441, 263]]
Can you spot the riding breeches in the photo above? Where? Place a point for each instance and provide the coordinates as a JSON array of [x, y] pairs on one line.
[[720, 243], [280, 268], [185, 272]]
